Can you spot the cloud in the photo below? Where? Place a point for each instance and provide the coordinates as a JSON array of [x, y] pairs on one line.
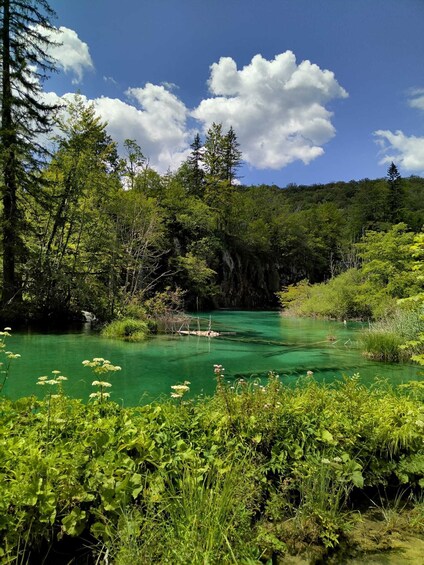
[[156, 119], [416, 99], [277, 108], [161, 125], [406, 151], [110, 80], [71, 54]]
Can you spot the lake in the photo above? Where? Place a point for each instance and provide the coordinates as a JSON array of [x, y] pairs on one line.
[[254, 343]]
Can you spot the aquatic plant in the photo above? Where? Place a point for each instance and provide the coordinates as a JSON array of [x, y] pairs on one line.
[[127, 329]]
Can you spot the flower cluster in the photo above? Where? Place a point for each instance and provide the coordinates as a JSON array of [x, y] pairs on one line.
[[57, 379], [3, 335], [4, 367], [101, 394], [99, 365], [219, 374], [180, 390], [218, 370]]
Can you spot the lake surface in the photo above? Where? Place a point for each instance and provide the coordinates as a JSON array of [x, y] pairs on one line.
[[256, 343]]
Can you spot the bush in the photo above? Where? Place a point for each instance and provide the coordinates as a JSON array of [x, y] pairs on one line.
[[128, 329], [345, 296]]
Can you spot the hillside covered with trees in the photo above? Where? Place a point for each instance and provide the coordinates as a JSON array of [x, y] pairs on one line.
[[95, 231]]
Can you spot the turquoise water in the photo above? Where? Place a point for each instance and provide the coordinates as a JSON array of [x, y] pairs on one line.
[[255, 343]]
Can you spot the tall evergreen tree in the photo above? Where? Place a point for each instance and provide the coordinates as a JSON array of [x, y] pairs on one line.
[[194, 165], [395, 200], [222, 155], [214, 153], [24, 27], [232, 155]]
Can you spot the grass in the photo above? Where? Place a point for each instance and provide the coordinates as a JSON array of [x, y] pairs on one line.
[[127, 329], [385, 339], [382, 345]]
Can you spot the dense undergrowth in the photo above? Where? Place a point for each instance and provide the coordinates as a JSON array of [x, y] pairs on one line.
[[256, 472]]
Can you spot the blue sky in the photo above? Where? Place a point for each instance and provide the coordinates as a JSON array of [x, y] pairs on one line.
[[316, 90]]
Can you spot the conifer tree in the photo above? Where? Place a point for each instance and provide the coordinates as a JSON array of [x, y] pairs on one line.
[[394, 181], [24, 29], [213, 157], [222, 156], [232, 155], [194, 163]]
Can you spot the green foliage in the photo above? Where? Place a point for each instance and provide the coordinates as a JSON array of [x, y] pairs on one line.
[[256, 470], [342, 297], [127, 329], [70, 243], [198, 273], [387, 273]]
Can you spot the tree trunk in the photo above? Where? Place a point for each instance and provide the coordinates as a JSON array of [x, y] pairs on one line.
[[8, 138]]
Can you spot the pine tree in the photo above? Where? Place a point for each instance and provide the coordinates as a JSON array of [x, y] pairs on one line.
[[395, 200], [232, 155], [214, 153], [24, 25], [195, 171], [222, 156]]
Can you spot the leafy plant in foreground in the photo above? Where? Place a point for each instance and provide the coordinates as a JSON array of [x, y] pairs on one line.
[[9, 355]]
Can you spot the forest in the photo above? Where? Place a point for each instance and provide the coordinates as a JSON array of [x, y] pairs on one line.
[[99, 232]]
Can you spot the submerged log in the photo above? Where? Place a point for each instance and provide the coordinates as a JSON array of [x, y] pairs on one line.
[[207, 333]]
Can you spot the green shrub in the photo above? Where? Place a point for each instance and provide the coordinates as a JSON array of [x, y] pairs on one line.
[[344, 296], [128, 329]]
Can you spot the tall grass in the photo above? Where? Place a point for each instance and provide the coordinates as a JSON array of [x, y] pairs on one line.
[[384, 339], [202, 518], [382, 346], [128, 329]]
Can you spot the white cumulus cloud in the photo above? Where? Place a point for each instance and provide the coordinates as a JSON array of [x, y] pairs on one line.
[[277, 108], [71, 53], [156, 119], [406, 151]]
